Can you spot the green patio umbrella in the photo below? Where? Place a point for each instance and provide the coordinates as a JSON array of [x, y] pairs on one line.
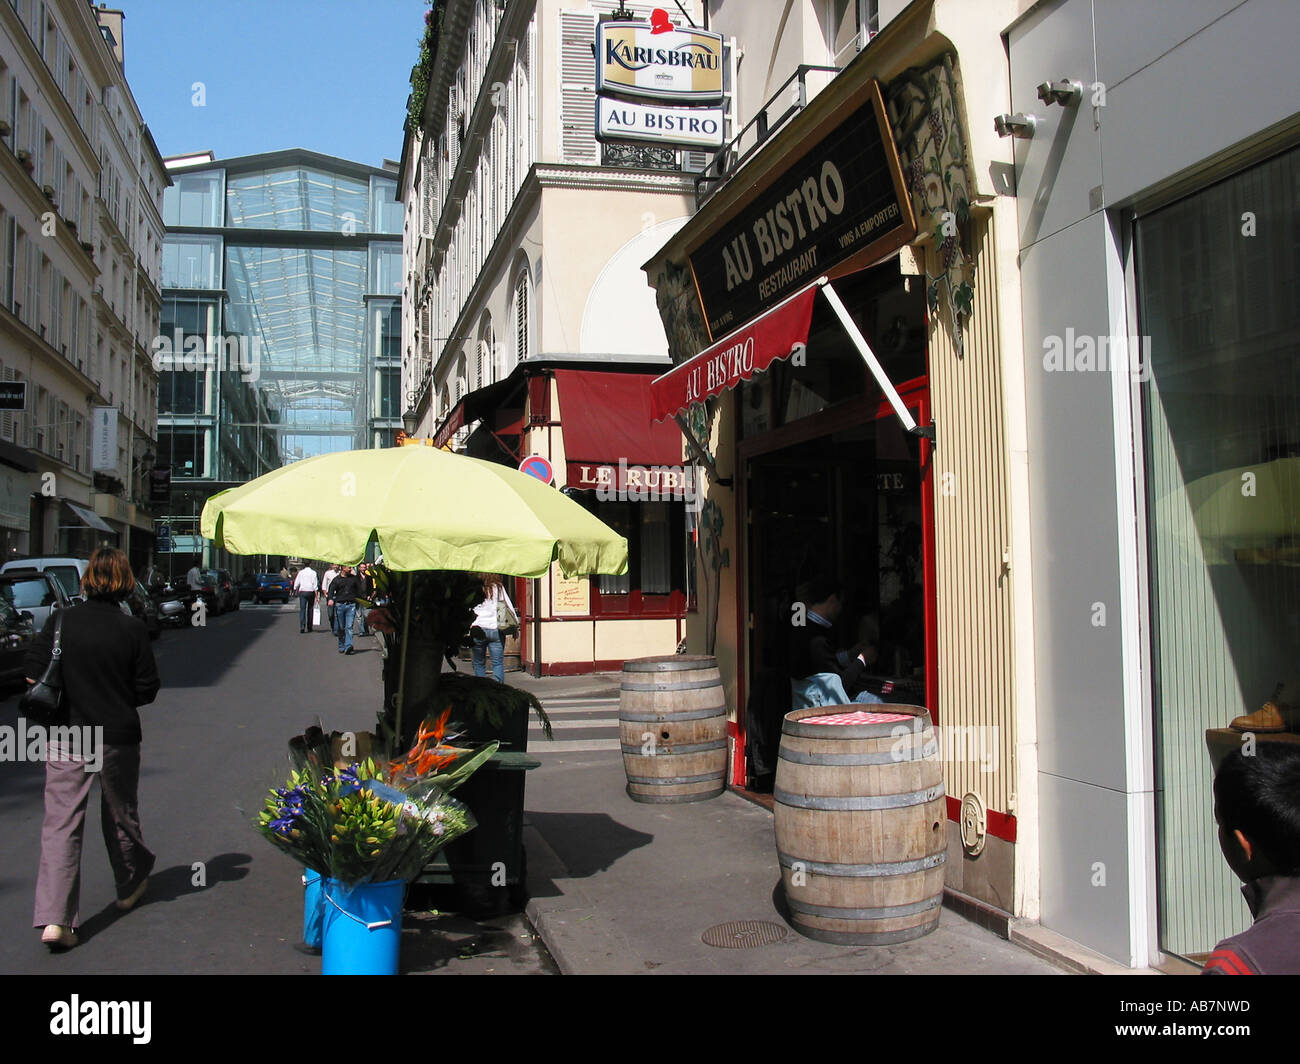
[[427, 508]]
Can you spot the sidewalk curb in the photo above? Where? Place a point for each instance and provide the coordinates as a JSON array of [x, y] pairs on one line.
[[552, 917]]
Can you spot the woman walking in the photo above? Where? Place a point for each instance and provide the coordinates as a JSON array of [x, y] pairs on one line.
[[108, 670], [485, 631]]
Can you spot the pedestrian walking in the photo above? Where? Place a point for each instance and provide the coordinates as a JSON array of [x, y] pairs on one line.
[[330, 574], [486, 630], [194, 578], [367, 593], [108, 671], [344, 592], [307, 586]]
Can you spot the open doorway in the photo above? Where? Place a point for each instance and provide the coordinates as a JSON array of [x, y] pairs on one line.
[[854, 503]]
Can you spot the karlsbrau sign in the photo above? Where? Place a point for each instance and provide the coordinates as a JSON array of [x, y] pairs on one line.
[[657, 61], [843, 197]]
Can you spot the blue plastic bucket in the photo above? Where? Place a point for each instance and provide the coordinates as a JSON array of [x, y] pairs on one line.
[[313, 908], [363, 928]]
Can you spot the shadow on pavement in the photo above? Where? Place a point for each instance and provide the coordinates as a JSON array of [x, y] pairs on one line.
[[168, 885], [587, 843], [200, 657]]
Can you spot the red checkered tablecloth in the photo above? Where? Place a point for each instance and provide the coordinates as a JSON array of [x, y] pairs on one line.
[[860, 716]]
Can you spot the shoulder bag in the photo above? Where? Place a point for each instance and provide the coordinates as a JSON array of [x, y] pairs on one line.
[[507, 619], [43, 701]]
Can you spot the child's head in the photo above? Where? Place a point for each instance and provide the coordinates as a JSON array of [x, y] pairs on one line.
[[1257, 805]]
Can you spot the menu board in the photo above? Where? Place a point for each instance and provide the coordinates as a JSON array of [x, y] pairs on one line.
[[570, 595]]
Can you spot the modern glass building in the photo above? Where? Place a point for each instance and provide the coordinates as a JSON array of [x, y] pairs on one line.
[[281, 323]]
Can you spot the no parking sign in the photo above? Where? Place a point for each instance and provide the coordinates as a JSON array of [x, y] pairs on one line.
[[537, 466]]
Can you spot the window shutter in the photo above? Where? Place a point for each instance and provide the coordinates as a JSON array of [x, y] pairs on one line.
[[695, 161], [578, 88], [521, 318]]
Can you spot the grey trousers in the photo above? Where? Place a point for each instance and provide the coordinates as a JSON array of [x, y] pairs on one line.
[[67, 791]]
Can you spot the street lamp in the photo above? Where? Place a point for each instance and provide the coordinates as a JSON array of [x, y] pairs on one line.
[[410, 421]]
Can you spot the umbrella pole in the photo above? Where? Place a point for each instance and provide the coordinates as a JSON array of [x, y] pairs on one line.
[[401, 665]]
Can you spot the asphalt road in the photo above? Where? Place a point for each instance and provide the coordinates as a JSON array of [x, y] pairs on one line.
[[221, 900]]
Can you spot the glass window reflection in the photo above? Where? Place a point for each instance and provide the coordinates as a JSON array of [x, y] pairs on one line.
[[297, 198]]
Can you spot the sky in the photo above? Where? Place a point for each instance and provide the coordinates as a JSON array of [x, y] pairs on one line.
[[331, 76]]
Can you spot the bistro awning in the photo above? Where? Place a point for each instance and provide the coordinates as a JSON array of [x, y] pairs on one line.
[[606, 417], [774, 335], [475, 406], [739, 355], [610, 441]]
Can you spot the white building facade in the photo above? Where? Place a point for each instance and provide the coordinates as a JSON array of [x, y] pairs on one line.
[[81, 191], [523, 244]]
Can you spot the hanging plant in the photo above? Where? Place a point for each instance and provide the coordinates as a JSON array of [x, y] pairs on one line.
[[423, 69]]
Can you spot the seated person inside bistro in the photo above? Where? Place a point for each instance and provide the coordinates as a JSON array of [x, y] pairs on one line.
[[817, 668]]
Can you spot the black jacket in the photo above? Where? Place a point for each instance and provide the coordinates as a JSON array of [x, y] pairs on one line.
[[345, 588], [108, 667], [812, 650]]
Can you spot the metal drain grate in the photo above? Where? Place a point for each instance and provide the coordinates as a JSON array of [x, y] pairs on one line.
[[744, 934]]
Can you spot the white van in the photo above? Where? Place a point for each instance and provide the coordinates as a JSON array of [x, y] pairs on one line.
[[68, 571]]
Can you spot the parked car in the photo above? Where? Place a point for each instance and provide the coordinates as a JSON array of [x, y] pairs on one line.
[[35, 593], [139, 604], [272, 585], [247, 586], [226, 595], [16, 635], [69, 571]]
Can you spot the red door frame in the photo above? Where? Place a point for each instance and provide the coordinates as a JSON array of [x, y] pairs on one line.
[[916, 397]]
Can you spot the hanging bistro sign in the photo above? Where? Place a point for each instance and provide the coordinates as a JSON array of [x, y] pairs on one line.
[[657, 61], [693, 127], [842, 198]]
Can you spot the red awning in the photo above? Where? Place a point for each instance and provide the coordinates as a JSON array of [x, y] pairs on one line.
[[453, 423], [606, 417], [736, 357]]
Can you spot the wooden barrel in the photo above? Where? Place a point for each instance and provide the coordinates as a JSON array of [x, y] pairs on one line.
[[861, 823], [672, 723]]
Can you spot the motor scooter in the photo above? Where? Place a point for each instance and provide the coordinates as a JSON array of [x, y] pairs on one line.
[[174, 604]]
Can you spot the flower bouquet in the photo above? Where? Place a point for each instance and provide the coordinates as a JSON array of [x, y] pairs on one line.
[[360, 822], [354, 827]]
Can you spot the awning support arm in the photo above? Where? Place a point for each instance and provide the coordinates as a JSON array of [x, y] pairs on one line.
[[699, 451], [877, 371]]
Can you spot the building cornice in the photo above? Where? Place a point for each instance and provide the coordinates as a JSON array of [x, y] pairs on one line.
[[284, 157], [38, 347], [615, 179]]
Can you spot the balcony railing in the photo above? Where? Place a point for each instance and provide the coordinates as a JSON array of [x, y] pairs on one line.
[[793, 96], [640, 157]]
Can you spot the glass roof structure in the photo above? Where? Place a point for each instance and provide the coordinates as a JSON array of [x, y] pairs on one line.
[[288, 267], [297, 198]]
